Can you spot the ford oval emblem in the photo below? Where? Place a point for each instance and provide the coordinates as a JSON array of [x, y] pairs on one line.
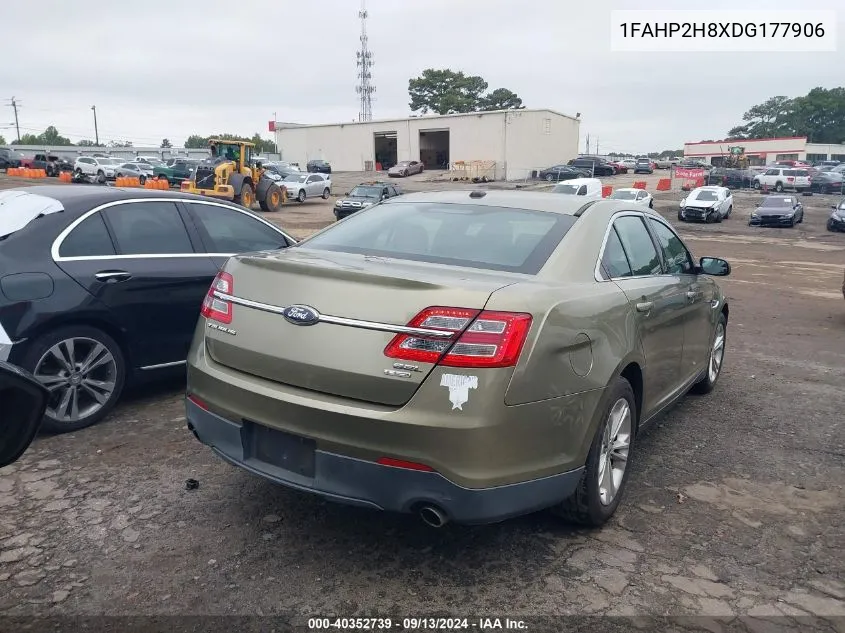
[[301, 315]]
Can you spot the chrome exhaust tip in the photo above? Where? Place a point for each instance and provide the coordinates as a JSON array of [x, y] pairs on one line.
[[433, 516]]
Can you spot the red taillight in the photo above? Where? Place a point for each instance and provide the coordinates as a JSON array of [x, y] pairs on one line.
[[484, 339], [214, 307], [197, 401], [401, 463]]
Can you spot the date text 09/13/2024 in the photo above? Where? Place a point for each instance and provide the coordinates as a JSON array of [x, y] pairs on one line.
[[417, 624]]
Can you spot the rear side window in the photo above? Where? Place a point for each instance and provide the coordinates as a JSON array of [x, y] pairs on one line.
[[638, 246], [149, 228], [90, 238], [230, 231], [614, 261], [493, 238]]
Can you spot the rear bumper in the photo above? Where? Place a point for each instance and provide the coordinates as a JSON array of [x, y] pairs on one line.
[[368, 484]]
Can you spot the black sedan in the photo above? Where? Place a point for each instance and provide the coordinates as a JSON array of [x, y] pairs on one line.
[[778, 210], [318, 167], [827, 182], [556, 173], [100, 287], [836, 221], [731, 178]]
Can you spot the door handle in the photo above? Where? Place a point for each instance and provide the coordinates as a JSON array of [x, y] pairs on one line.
[[645, 306], [112, 276]]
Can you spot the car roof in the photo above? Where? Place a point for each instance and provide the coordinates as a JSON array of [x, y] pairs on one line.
[[627, 189], [527, 200], [95, 195]]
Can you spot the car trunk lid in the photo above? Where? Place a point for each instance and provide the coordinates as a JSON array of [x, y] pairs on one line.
[[361, 299]]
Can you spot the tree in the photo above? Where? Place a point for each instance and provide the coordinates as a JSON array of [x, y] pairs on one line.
[[819, 115], [501, 99], [166, 144], [445, 91], [50, 137], [2, 140], [262, 145], [195, 141], [86, 143]]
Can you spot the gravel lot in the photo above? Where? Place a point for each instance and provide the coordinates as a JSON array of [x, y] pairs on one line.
[[734, 507]]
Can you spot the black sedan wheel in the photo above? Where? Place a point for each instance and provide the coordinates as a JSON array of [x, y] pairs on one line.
[[550, 178], [84, 371]]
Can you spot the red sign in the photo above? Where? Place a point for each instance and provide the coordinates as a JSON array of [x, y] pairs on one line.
[[692, 174], [272, 126]]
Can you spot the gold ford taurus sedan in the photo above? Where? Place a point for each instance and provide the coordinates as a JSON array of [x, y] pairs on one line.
[[466, 356]]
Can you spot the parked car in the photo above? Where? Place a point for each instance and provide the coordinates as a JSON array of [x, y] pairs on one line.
[[556, 173], [780, 178], [827, 182], [51, 164], [592, 165], [141, 171], [102, 285], [630, 163], [731, 178], [101, 168], [826, 163], [644, 166], [836, 221], [778, 210], [707, 204], [405, 168], [10, 158], [279, 173], [590, 188], [639, 196], [363, 196], [24, 401], [176, 170], [318, 166], [619, 168], [149, 160], [662, 163], [303, 185], [400, 359], [695, 164]]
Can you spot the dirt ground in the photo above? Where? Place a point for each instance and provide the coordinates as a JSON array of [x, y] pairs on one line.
[[735, 504]]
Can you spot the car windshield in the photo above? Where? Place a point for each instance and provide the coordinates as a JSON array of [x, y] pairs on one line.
[[19, 208], [366, 192], [706, 196], [296, 178], [492, 238], [777, 202], [404, 163], [129, 166], [624, 195], [565, 188]]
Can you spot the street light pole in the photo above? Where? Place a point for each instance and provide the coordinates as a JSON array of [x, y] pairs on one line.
[[275, 136], [96, 132]]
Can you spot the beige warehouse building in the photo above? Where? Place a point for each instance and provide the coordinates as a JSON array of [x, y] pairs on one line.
[[515, 141]]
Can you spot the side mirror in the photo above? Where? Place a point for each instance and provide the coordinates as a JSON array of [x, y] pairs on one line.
[[24, 402], [714, 266]]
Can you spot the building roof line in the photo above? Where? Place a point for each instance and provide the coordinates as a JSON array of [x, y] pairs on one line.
[[749, 140], [423, 117]]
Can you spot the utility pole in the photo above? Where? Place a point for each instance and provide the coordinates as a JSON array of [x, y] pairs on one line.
[[14, 106], [588, 144], [275, 135], [597, 146], [96, 132]]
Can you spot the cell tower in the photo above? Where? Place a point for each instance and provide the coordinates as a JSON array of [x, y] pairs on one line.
[[365, 61]]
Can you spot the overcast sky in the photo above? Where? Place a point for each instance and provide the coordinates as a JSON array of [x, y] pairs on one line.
[[170, 68]]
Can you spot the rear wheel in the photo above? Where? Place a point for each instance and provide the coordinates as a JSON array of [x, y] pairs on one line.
[[779, 187], [606, 472], [83, 369], [101, 177], [246, 197], [272, 199], [326, 193]]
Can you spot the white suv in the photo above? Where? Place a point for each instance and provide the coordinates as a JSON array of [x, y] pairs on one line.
[[102, 168], [780, 178]]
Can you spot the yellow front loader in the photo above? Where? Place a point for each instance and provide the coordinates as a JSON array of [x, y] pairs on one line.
[[227, 174]]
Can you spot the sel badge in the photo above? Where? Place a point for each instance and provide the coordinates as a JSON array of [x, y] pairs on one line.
[[459, 387]]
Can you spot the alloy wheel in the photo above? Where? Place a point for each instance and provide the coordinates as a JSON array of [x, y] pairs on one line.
[[717, 353], [80, 373], [613, 454]]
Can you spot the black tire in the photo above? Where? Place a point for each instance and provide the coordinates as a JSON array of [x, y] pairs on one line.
[[718, 218], [584, 506], [40, 347], [706, 385], [326, 193], [78, 171], [730, 210], [246, 197], [757, 185], [142, 179], [550, 178], [300, 197], [101, 177], [272, 200], [118, 175], [651, 203], [708, 218], [779, 187], [681, 217]]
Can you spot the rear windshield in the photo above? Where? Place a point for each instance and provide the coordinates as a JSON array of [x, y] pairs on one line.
[[492, 238]]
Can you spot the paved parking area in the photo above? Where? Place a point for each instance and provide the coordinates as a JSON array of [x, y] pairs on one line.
[[735, 505]]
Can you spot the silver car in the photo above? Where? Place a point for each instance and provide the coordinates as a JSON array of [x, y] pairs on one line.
[[141, 171], [405, 168], [302, 186]]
